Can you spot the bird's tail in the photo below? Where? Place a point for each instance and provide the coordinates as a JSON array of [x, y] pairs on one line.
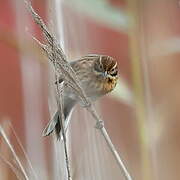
[[55, 123]]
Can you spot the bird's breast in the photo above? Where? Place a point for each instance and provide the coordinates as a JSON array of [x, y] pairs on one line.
[[109, 84]]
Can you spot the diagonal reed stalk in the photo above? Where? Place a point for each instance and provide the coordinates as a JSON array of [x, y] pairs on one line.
[[17, 160], [23, 151], [12, 167], [62, 68]]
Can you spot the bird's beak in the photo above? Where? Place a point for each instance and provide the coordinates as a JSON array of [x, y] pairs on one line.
[[105, 74]]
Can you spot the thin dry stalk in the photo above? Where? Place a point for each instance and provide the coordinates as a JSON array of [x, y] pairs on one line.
[[24, 152], [59, 93], [60, 103], [17, 160], [12, 167], [53, 49]]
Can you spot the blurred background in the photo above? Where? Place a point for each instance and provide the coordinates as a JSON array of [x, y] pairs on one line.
[[141, 115]]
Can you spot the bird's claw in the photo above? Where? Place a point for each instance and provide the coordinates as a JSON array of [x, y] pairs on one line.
[[99, 124], [86, 105]]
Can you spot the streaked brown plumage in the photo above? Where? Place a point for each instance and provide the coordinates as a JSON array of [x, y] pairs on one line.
[[98, 75]]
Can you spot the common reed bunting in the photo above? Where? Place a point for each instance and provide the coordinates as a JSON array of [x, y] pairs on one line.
[[98, 75]]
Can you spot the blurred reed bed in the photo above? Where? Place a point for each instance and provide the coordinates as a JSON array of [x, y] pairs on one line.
[[154, 49]]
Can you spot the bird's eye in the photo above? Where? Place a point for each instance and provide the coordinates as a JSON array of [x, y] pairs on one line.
[[113, 72]]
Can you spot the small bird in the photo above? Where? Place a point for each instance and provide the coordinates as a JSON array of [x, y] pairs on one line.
[[97, 74]]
